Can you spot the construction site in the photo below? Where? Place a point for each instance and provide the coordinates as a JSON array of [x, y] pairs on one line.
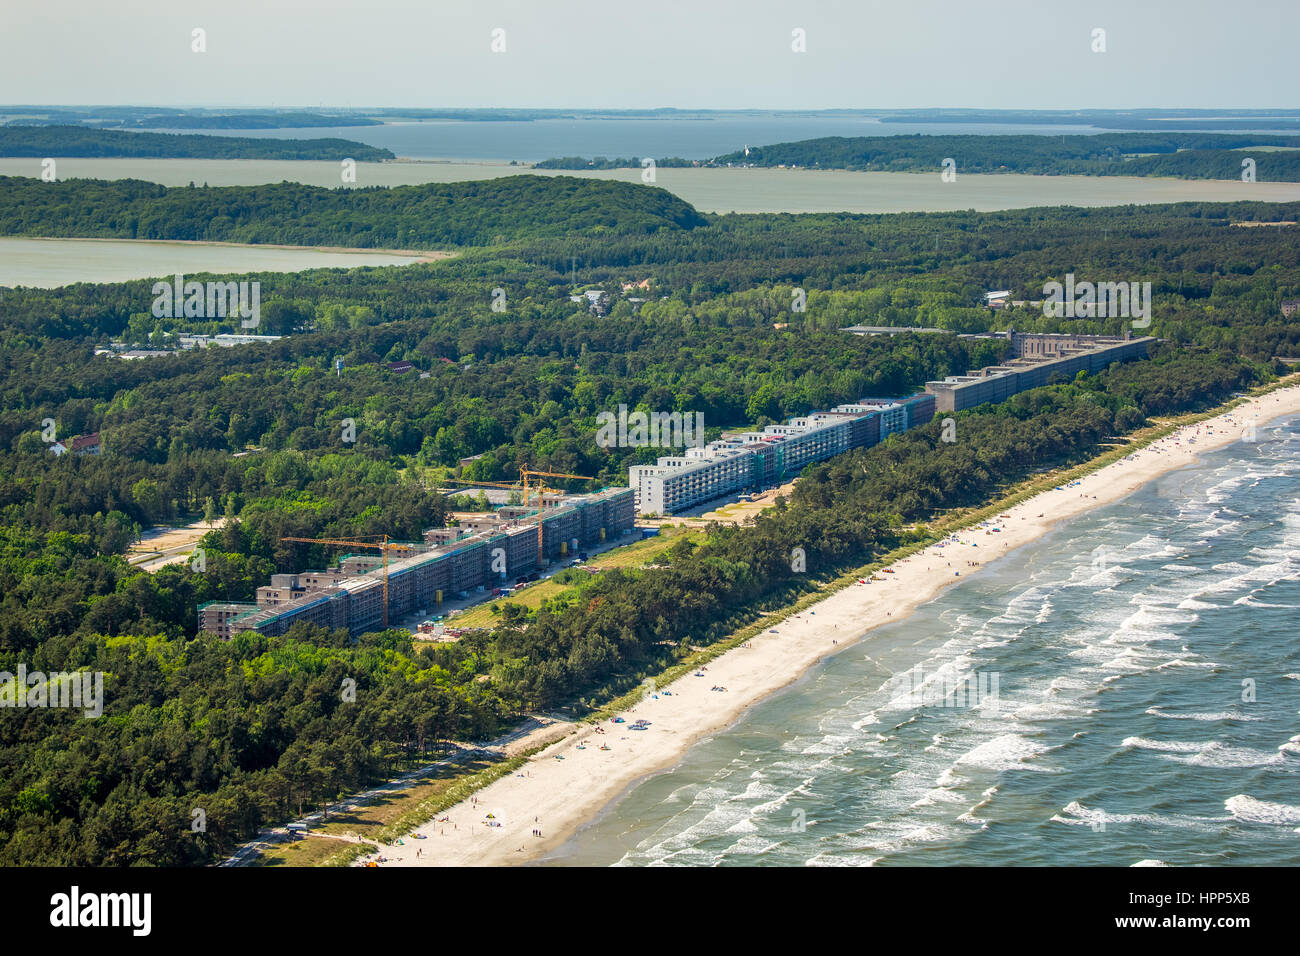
[[534, 525], [365, 592]]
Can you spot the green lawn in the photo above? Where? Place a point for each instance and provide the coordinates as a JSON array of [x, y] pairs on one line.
[[532, 597], [310, 851], [371, 821]]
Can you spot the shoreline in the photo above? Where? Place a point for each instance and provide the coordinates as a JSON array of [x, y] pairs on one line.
[[571, 782], [430, 255], [710, 189]]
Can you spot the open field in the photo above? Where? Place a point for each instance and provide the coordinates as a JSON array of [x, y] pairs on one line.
[[309, 851], [160, 545], [536, 594], [740, 512], [369, 822]]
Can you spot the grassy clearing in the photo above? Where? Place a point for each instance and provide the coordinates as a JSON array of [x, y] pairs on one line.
[[632, 555], [421, 811], [375, 819], [391, 816], [345, 856], [311, 851]]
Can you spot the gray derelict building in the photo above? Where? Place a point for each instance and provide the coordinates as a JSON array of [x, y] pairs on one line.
[[458, 561], [351, 596], [1040, 359], [779, 452]]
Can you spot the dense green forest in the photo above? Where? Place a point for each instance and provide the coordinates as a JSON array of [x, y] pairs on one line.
[[82, 141], [254, 730], [1187, 155], [414, 217]]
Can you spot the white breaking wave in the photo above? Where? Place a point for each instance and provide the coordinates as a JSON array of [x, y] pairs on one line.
[[1249, 810], [1076, 814], [1052, 710], [1174, 746], [1249, 601], [1184, 662], [1218, 715], [1005, 752], [1206, 754]]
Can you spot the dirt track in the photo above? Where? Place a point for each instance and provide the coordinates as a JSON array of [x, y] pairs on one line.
[[160, 545]]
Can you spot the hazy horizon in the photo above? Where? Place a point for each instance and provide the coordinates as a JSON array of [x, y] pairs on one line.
[[1017, 54], [158, 104]]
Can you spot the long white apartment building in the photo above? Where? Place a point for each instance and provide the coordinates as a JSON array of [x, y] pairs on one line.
[[679, 482], [745, 460]]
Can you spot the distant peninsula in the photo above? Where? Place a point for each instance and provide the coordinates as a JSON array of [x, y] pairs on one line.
[[1180, 155], [80, 141]]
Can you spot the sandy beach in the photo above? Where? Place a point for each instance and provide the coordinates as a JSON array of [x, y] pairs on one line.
[[561, 788]]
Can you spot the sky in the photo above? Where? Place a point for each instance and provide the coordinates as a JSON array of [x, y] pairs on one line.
[[716, 54]]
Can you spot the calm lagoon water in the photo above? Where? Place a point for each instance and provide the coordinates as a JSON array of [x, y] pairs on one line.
[[1148, 712], [712, 190], [693, 137], [48, 263], [483, 150], [696, 136]]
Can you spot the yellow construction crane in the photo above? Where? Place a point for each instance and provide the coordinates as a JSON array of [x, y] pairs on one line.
[[513, 486], [385, 546], [526, 473], [540, 488], [527, 490]]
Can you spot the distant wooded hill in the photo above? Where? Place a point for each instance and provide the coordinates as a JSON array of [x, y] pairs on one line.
[[1186, 155], [428, 216], [82, 142]]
